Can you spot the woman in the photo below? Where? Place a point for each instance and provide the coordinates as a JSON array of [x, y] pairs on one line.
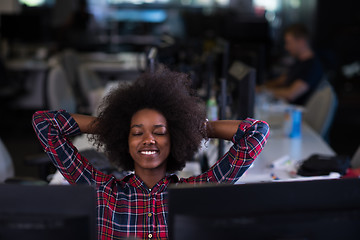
[[151, 127]]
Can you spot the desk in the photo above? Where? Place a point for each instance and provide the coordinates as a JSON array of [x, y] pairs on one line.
[[114, 63], [26, 65], [294, 150], [111, 67], [278, 146]]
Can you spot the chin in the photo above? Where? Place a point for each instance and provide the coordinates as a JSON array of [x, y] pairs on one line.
[[150, 167], [150, 164]]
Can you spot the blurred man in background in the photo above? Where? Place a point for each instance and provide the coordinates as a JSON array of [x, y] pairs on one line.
[[302, 78]]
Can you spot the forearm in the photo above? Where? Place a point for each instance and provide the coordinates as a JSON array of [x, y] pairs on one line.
[[277, 82], [86, 123], [292, 92], [282, 93], [53, 129], [248, 142], [223, 129]]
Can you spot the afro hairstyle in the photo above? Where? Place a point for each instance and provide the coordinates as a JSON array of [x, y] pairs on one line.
[[165, 91]]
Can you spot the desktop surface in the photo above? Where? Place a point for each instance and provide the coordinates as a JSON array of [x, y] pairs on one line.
[[326, 209], [294, 150]]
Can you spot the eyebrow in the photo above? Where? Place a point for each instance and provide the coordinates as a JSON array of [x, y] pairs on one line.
[[141, 125], [159, 126]]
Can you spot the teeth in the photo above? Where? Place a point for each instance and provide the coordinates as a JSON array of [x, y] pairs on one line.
[[148, 152]]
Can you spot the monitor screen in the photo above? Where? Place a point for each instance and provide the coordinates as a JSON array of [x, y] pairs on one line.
[[141, 15], [327, 209], [47, 212]]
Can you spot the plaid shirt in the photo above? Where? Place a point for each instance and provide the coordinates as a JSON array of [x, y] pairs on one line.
[[127, 208]]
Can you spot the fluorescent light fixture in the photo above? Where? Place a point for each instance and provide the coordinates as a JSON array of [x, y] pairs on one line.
[[270, 5], [32, 3]]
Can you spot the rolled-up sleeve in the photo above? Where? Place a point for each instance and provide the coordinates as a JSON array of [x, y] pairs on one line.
[[248, 142], [53, 129]]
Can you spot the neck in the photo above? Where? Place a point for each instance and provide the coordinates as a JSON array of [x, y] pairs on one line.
[[150, 176], [306, 54]]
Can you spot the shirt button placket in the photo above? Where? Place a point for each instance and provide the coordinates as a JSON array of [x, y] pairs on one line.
[[150, 220]]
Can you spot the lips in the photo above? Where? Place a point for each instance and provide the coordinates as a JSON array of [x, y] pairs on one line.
[[149, 152]]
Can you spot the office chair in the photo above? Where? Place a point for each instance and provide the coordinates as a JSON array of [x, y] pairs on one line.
[[355, 161], [91, 86], [71, 62], [6, 164], [320, 109], [58, 91]]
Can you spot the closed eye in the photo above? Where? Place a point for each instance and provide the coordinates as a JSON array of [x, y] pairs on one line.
[[137, 134], [160, 134]]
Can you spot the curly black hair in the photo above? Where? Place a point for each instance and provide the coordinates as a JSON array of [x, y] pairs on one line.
[[167, 92]]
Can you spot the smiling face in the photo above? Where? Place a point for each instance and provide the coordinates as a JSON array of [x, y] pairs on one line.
[[149, 140]]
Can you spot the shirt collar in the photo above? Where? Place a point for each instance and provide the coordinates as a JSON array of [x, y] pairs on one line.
[[162, 185]]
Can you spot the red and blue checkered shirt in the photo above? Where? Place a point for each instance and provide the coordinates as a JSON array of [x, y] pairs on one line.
[[127, 208]]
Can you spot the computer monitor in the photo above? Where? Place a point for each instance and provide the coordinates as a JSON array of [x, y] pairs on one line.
[[47, 212], [241, 84], [326, 209], [140, 15]]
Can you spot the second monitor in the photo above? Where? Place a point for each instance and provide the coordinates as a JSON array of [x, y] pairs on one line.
[[327, 209]]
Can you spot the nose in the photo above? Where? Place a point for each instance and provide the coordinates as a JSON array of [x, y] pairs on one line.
[[149, 140]]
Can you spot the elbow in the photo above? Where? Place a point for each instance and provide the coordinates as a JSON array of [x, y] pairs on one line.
[[261, 132], [265, 131]]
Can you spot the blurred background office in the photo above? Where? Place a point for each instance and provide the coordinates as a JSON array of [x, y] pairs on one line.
[[67, 54]]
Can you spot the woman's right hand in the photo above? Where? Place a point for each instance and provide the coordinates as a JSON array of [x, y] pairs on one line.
[[85, 122]]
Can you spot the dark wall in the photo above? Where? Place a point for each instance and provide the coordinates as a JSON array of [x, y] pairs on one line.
[[338, 28], [337, 39]]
